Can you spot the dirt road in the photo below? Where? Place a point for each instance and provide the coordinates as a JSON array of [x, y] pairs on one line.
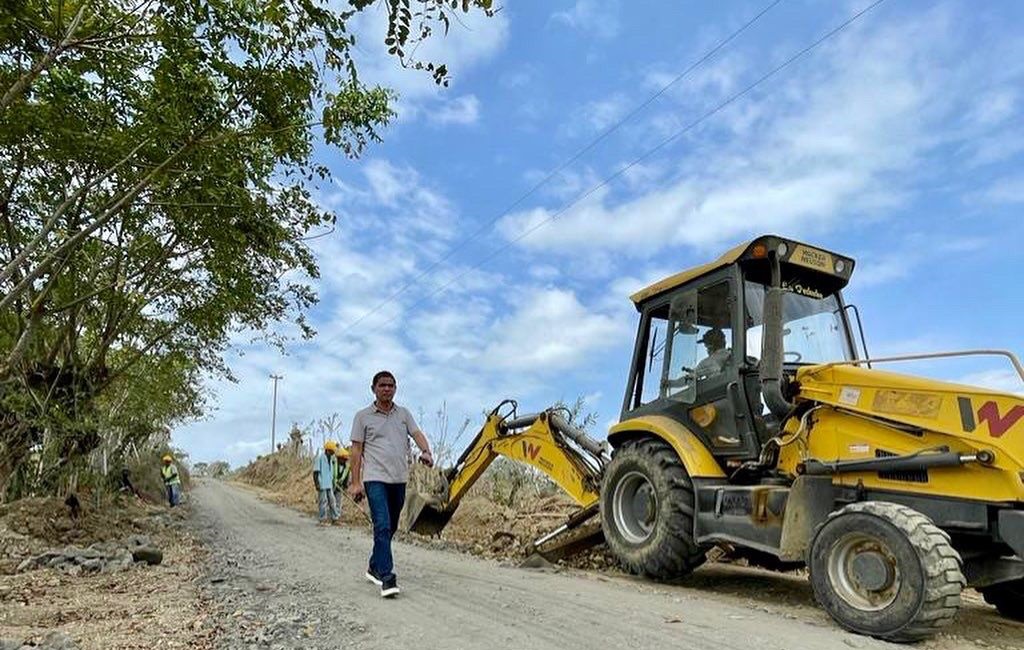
[[285, 583]]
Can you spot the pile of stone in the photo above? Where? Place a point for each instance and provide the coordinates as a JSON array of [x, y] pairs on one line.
[[101, 557]]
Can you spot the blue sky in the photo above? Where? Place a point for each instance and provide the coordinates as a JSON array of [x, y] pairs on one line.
[[900, 141]]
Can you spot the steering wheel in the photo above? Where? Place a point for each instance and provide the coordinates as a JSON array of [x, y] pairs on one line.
[[790, 353]]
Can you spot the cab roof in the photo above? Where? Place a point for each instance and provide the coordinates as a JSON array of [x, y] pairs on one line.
[[742, 251]]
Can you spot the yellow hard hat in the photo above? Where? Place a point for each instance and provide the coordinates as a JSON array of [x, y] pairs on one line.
[[167, 458], [343, 452], [330, 445]]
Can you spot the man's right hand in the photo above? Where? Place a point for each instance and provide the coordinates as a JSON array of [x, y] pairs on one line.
[[356, 491]]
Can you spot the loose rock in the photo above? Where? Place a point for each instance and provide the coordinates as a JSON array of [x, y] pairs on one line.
[[102, 557], [148, 554]]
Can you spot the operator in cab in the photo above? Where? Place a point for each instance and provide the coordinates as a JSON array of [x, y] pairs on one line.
[[717, 354]]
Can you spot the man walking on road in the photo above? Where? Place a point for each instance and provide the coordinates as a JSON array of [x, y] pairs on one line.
[[380, 470], [323, 481]]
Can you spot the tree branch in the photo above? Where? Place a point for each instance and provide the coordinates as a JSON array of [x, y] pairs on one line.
[[45, 62], [114, 209], [49, 224]]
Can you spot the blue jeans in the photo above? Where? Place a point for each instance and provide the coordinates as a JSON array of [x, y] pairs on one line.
[[386, 501], [174, 494]]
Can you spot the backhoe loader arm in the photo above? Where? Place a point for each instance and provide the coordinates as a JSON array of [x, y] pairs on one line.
[[543, 440]]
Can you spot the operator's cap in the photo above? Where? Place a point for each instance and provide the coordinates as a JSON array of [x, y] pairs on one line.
[[167, 458], [712, 335], [330, 445], [343, 452]]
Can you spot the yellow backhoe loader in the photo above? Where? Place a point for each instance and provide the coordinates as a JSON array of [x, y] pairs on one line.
[[752, 418]]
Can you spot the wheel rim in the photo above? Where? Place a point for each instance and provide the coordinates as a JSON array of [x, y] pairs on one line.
[[635, 507], [864, 572]]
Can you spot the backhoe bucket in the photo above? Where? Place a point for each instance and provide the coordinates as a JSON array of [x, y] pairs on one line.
[[427, 514]]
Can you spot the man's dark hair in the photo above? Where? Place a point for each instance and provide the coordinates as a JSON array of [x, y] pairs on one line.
[[381, 375]]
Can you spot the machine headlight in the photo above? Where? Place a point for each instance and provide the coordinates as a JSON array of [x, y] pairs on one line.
[[782, 249], [840, 266]]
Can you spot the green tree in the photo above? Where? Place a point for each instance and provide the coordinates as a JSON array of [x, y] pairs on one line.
[[156, 196]]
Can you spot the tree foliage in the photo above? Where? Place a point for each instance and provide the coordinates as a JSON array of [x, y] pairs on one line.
[[156, 176]]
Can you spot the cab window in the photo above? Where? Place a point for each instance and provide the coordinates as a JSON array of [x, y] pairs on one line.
[[688, 345]]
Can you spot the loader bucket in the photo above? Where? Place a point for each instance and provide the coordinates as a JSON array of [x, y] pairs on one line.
[[427, 514]]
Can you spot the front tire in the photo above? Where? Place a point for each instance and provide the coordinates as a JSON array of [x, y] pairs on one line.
[[647, 510], [1007, 597], [887, 571]]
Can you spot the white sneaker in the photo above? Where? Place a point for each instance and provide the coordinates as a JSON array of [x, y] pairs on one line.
[[374, 579]]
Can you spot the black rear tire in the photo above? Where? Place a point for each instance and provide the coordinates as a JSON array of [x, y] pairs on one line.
[[886, 570], [1007, 597], [647, 510]]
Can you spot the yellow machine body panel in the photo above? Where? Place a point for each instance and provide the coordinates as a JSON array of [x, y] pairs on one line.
[[695, 455], [859, 403]]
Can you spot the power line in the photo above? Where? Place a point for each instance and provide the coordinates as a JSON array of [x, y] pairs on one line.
[[675, 136], [579, 154]]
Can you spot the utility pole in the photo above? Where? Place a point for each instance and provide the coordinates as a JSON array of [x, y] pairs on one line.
[[273, 417]]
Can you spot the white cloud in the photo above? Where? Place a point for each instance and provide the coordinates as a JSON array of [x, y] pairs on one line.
[[879, 269], [995, 147], [601, 114], [461, 110], [551, 331], [518, 77], [598, 19], [873, 272], [1006, 381], [244, 448], [839, 139], [1009, 189], [596, 116], [643, 177], [543, 272], [563, 184], [703, 85], [384, 181], [994, 107]]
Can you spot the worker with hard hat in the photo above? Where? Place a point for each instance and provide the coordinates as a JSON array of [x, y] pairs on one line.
[[341, 476], [172, 481], [323, 480]]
